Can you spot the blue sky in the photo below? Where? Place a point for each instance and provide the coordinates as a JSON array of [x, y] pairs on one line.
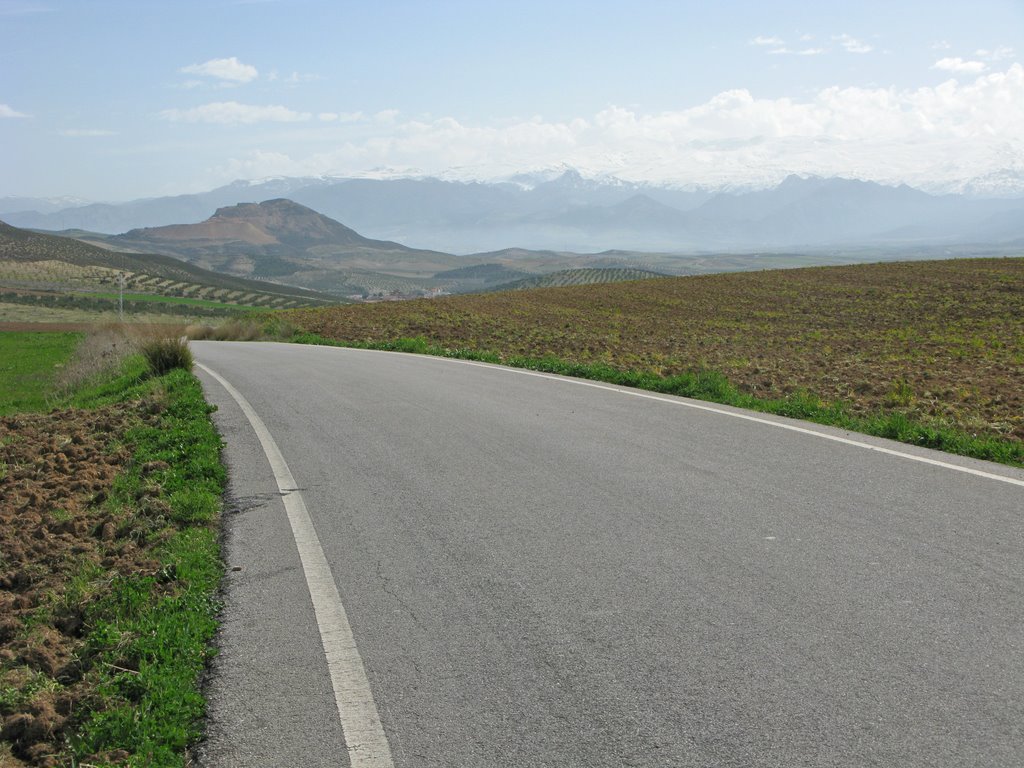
[[106, 99]]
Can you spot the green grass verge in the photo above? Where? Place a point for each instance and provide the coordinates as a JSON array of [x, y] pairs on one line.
[[150, 637], [147, 638], [713, 387], [28, 362]]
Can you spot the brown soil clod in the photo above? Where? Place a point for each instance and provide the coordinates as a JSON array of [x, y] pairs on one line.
[[59, 468]]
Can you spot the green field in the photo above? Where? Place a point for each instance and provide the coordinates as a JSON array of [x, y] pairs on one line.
[[28, 363], [164, 300]]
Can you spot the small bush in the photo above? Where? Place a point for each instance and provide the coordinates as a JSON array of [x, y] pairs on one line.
[[164, 355], [238, 330]]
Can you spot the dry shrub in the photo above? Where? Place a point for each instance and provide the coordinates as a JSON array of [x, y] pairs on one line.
[[230, 330], [199, 331], [102, 350], [238, 330]]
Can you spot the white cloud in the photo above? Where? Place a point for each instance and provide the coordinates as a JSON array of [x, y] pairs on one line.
[[230, 70], [801, 52], [1000, 53], [231, 112], [851, 44], [959, 65], [341, 117], [260, 164], [6, 111], [76, 133], [387, 116], [923, 136], [293, 79], [941, 45], [778, 46]]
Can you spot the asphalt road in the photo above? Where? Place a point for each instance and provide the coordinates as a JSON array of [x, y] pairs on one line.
[[544, 573]]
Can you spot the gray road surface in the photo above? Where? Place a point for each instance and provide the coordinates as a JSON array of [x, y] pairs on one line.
[[539, 573]]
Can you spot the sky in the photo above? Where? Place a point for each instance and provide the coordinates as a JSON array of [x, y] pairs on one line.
[[120, 99]]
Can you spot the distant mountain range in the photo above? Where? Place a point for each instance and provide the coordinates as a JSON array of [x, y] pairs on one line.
[[283, 242], [573, 213]]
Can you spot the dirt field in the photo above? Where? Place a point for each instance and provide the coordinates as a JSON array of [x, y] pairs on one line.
[[55, 471], [940, 340]]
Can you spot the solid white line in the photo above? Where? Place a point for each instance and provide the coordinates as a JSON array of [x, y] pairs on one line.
[[712, 409], [360, 723]]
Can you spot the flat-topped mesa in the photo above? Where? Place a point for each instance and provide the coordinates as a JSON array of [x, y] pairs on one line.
[[288, 220]]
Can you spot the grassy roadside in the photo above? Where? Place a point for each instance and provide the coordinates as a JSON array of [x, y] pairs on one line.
[[714, 387], [109, 572]]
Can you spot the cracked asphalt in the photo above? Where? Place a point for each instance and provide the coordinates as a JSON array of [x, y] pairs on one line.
[[545, 574]]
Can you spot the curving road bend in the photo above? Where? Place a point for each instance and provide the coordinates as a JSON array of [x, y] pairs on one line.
[[542, 572]]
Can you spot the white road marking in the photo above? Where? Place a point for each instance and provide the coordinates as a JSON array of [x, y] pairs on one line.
[[710, 409], [360, 722]]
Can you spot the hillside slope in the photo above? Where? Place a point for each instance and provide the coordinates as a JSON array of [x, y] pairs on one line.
[[585, 276], [35, 261]]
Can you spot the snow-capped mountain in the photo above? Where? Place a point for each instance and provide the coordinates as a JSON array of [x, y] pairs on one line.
[[570, 210]]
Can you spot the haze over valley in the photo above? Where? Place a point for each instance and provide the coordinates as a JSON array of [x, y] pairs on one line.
[[570, 212], [406, 237]]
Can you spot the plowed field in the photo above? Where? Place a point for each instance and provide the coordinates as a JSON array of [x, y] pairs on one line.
[[942, 341], [57, 468]]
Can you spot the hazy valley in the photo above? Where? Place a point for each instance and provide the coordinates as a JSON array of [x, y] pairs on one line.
[[574, 213], [314, 234]]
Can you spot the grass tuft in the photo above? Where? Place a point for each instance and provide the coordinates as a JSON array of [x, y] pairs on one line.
[[165, 355]]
